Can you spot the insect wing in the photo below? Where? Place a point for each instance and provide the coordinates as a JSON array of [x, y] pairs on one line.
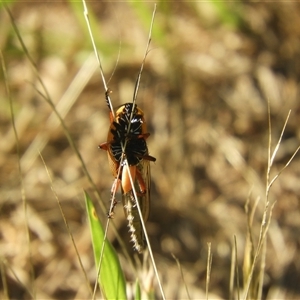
[[145, 172]]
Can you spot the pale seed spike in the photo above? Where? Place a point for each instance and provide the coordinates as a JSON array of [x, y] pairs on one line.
[[134, 222]]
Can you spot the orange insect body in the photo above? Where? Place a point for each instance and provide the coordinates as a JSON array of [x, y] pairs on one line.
[[126, 140]]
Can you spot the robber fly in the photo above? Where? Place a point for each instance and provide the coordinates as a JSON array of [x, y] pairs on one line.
[[129, 160]]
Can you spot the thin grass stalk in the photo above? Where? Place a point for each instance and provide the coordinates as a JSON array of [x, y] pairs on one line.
[[63, 106], [100, 260], [23, 195], [145, 232], [208, 269], [18, 280], [237, 270], [123, 159], [48, 99], [267, 214], [86, 15], [262, 270], [263, 228], [111, 279], [285, 166], [249, 246], [182, 277], [3, 279], [105, 233], [232, 271], [137, 84], [45, 95], [126, 162], [66, 224], [71, 142]]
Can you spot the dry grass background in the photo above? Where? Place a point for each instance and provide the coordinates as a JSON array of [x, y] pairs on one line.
[[204, 92]]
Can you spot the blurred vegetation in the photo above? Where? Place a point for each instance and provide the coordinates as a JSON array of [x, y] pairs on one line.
[[211, 71]]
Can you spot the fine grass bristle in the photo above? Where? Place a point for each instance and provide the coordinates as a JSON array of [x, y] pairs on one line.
[[136, 237], [253, 272], [219, 91]]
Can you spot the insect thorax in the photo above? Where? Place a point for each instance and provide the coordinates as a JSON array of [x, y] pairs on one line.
[[132, 139]]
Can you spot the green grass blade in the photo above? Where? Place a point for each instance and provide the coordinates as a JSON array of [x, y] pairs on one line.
[[137, 291], [111, 279]]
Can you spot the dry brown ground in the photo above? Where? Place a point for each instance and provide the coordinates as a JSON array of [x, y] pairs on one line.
[[204, 92]]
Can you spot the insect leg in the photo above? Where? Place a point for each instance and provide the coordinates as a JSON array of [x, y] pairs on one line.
[[114, 202]]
